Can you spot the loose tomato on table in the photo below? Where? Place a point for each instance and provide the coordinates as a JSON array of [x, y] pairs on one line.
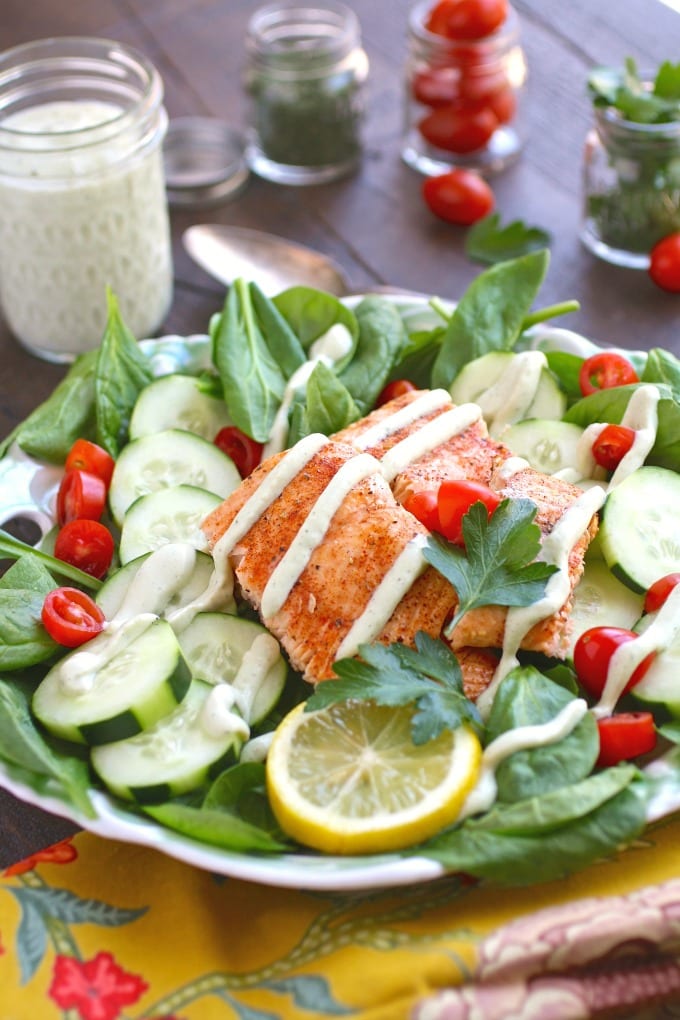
[[71, 617], [458, 196], [245, 452], [604, 370], [612, 445], [80, 494], [593, 652], [658, 592], [664, 263], [625, 736], [424, 507], [396, 388], [455, 498], [87, 456], [459, 127], [87, 545]]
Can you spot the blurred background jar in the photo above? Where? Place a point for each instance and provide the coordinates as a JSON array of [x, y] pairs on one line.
[[464, 95], [305, 77], [82, 193]]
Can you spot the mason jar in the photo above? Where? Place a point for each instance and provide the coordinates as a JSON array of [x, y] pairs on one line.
[[82, 193], [631, 187], [305, 77], [464, 99]]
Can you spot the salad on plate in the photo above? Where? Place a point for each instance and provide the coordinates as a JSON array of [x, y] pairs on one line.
[[351, 592]]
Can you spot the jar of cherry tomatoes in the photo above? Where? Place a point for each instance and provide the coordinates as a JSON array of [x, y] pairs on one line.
[[466, 76]]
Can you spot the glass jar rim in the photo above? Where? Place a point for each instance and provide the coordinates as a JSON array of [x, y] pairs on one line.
[[30, 71], [505, 35], [610, 119], [269, 33]]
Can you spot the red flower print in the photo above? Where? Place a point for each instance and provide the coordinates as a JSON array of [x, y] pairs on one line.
[[59, 853], [97, 988]]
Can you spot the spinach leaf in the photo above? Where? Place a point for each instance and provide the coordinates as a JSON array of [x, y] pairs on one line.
[[488, 241], [252, 381], [418, 357], [566, 368], [23, 639], [490, 314], [526, 698], [122, 372], [242, 789], [663, 367], [13, 548], [311, 313], [29, 573], [283, 343], [330, 406], [382, 337], [51, 429]]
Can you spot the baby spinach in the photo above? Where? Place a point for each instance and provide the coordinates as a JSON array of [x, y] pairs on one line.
[[382, 337], [13, 548], [329, 406], [663, 367], [283, 343], [311, 313], [24, 641]]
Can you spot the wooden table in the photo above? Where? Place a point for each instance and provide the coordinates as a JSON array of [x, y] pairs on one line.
[[373, 223]]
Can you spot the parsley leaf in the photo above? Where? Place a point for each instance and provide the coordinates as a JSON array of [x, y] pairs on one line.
[[428, 676], [497, 567], [624, 91], [489, 242]]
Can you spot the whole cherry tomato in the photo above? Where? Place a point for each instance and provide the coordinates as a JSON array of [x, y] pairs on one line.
[[87, 545], [455, 497], [664, 263], [438, 18], [467, 19], [479, 83], [458, 196], [396, 388], [245, 452], [424, 507], [436, 86], [593, 652], [658, 592], [459, 128], [80, 494], [87, 456], [625, 736], [71, 617], [604, 370], [504, 105], [612, 445]]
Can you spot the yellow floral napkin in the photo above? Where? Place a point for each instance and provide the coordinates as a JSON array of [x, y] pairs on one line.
[[99, 930]]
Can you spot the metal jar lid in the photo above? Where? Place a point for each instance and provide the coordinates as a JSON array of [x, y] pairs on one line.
[[204, 162]]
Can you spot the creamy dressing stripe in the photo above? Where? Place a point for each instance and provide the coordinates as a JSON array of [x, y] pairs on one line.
[[430, 401], [511, 396], [428, 438]]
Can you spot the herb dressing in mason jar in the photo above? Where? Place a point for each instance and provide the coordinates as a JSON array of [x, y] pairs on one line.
[[82, 193]]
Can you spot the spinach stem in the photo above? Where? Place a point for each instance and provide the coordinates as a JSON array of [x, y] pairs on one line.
[[550, 312], [14, 548]]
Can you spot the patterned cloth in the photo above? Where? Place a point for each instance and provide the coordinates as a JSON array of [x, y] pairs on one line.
[[97, 930]]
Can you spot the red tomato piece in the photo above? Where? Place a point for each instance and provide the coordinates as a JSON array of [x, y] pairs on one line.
[[612, 445], [593, 652], [479, 83], [436, 86], [424, 507], [71, 617], [458, 196], [438, 18], [504, 105], [605, 370], [87, 456], [459, 128], [658, 592], [467, 19], [80, 495], [664, 263], [625, 736], [245, 452], [87, 545], [396, 388], [455, 497]]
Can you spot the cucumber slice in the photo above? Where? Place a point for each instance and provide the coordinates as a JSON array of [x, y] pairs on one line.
[[168, 515], [166, 459], [600, 600], [177, 402], [547, 445], [661, 683], [214, 645], [176, 755], [121, 683], [639, 527]]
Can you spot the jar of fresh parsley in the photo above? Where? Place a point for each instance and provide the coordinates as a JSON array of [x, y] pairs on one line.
[[632, 163], [305, 78]]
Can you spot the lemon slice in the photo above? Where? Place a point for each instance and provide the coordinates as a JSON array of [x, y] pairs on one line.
[[348, 779]]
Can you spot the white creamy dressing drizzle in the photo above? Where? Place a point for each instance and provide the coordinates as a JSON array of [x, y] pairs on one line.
[[555, 549], [511, 396], [257, 749], [430, 401], [228, 707], [327, 349], [78, 671], [219, 591], [483, 794], [427, 438], [162, 576], [218, 718]]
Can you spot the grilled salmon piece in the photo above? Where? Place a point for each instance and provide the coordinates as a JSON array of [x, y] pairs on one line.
[[478, 666]]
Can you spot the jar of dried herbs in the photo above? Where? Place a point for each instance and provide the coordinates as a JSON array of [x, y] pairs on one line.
[[305, 77], [632, 163]]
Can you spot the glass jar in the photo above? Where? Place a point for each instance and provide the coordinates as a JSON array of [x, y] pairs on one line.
[[82, 193], [463, 98], [631, 186], [305, 77]]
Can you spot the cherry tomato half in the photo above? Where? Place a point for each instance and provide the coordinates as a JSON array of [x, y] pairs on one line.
[[455, 497], [664, 263], [612, 445], [604, 370], [80, 495], [394, 389], [424, 507], [245, 452], [87, 545], [625, 736], [593, 652], [87, 456], [459, 128], [658, 592], [71, 617], [467, 19], [458, 196]]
